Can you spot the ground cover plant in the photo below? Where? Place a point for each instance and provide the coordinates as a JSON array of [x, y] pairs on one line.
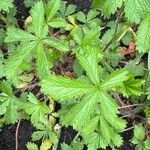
[[88, 71]]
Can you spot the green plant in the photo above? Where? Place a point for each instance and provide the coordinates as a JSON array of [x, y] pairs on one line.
[[110, 72], [139, 139]]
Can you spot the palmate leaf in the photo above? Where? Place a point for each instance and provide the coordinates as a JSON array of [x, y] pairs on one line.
[[6, 4], [89, 61], [95, 103], [17, 57], [143, 36], [45, 130], [68, 88], [37, 110]]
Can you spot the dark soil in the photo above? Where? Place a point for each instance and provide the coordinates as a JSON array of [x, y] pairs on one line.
[[7, 136], [82, 5]]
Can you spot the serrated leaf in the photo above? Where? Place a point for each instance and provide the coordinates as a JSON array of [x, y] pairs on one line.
[[108, 7], [53, 7], [91, 36], [38, 18], [6, 4], [91, 15], [16, 59], [46, 145], [91, 126], [37, 111], [41, 61], [79, 114], [136, 9], [135, 69], [57, 22], [29, 3], [31, 146], [143, 36], [88, 57], [38, 135], [58, 44], [114, 79], [95, 140], [6, 88], [109, 111], [8, 108], [16, 35], [80, 16], [77, 145], [139, 134], [70, 10], [11, 114], [147, 144], [68, 88], [132, 86]]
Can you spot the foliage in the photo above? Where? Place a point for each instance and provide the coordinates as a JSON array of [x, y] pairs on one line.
[[139, 138], [108, 75]]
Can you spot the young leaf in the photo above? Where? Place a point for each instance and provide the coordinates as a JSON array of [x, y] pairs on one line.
[[68, 88], [143, 36], [88, 58], [139, 134], [31, 146], [37, 110], [46, 145], [16, 58]]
